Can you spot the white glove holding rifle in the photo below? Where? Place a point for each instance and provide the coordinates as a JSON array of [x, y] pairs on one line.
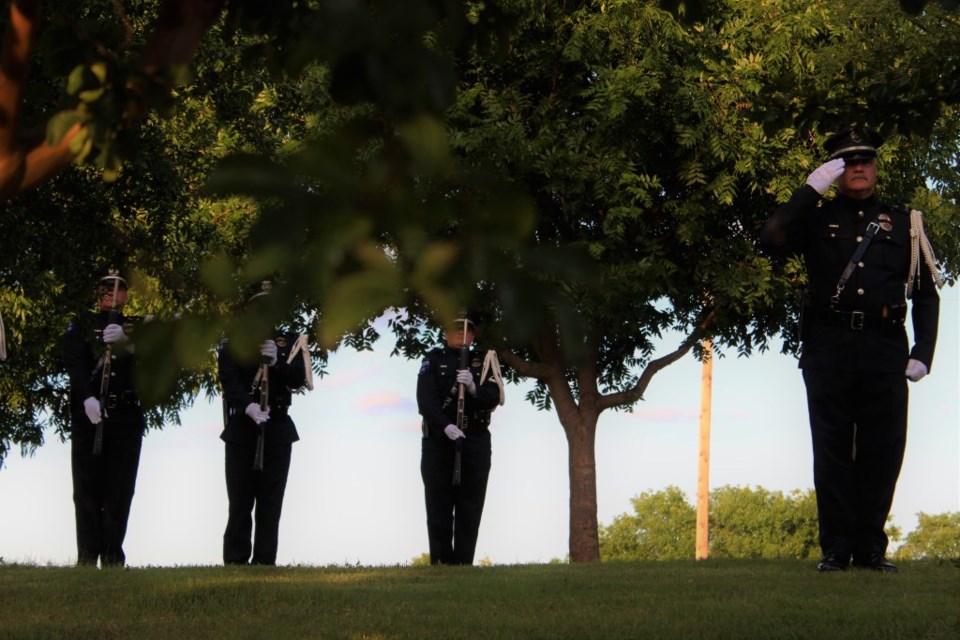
[[91, 406], [453, 432], [268, 350], [258, 415], [113, 333], [825, 175], [465, 378]]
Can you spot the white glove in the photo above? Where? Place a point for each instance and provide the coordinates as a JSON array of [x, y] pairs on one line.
[[824, 175], [269, 350], [915, 370], [91, 406], [113, 333], [453, 432], [256, 414], [464, 377]]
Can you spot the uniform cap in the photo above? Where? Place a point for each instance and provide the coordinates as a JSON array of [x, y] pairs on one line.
[[470, 317], [110, 278], [854, 143]]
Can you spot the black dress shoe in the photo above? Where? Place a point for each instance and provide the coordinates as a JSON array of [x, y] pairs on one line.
[[874, 561], [833, 562]]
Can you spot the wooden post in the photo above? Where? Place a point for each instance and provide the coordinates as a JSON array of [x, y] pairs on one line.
[[703, 475]]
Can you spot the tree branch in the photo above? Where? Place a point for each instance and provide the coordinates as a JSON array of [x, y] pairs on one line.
[[654, 366], [181, 26], [14, 62]]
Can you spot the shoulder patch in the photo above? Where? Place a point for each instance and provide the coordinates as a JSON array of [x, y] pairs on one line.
[[424, 366]]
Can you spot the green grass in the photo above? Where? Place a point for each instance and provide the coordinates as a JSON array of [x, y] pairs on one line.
[[714, 599]]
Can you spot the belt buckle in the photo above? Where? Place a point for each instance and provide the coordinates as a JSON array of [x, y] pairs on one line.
[[856, 320]]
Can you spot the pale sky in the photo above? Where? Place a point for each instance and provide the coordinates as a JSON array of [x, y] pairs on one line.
[[355, 496]]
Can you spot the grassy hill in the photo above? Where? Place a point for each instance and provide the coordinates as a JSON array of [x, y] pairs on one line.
[[712, 599]]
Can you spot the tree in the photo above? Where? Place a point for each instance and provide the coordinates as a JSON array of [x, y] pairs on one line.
[[153, 220], [645, 144], [937, 537], [744, 523], [112, 93], [662, 527], [757, 523]]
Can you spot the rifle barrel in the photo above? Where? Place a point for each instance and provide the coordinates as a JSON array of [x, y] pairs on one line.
[[264, 406], [461, 418]]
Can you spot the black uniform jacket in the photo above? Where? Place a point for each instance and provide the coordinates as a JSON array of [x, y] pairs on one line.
[[827, 233], [83, 353], [236, 381], [437, 392]]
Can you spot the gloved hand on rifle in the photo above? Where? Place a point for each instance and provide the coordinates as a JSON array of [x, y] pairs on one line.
[[113, 333], [268, 350], [91, 406], [464, 377], [453, 432], [915, 370], [824, 175], [256, 414]]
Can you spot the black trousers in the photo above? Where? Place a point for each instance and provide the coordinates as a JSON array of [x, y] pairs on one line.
[[859, 426], [103, 487], [453, 512], [254, 492]]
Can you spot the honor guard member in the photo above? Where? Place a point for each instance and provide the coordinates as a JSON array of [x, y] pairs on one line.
[[864, 258], [455, 449], [258, 435], [106, 423]]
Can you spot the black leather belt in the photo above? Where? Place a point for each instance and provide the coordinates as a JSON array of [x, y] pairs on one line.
[[123, 399], [891, 318]]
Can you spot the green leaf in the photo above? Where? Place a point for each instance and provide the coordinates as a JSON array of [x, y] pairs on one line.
[[59, 124]]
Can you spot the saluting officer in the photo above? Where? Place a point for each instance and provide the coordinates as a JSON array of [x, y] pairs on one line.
[[455, 505], [283, 367], [106, 423], [860, 258]]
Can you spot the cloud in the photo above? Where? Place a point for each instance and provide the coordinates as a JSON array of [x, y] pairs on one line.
[[381, 402]]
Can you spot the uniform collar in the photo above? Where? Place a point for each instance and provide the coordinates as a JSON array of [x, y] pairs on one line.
[[855, 204]]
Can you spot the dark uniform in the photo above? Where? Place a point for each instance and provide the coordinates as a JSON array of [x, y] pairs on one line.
[[453, 512], [103, 485], [855, 352], [260, 492]]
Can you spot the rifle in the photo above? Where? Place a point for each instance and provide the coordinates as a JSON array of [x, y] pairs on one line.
[[112, 318], [264, 406], [461, 414]]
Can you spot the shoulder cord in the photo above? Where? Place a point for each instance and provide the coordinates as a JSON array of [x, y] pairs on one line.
[[491, 365], [300, 346], [920, 244]]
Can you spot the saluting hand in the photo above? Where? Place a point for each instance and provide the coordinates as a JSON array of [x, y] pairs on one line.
[[824, 175], [465, 378]]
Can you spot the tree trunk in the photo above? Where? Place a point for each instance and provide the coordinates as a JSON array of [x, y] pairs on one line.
[[581, 438]]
